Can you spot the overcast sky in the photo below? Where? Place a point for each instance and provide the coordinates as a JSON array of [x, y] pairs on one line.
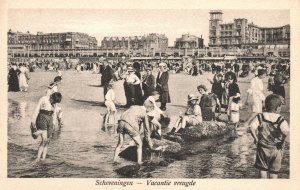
[[100, 23]]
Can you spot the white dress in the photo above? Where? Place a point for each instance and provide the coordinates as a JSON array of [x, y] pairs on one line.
[[23, 79], [95, 68], [109, 100], [256, 95], [234, 112]]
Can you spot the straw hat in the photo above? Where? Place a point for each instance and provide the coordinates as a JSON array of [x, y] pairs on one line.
[[130, 69], [192, 97], [162, 64]]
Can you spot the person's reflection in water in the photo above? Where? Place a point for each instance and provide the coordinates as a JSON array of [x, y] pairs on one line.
[[22, 109], [17, 110]]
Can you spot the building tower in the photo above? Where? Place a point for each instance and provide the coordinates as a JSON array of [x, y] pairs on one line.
[[214, 27]]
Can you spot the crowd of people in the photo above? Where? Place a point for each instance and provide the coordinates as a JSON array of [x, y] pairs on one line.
[[225, 95], [143, 91]]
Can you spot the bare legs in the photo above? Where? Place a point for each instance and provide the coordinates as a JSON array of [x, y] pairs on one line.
[[42, 151], [119, 145], [181, 120], [106, 119], [253, 114], [138, 143], [265, 175]]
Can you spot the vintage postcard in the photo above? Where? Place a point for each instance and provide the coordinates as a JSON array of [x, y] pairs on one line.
[[149, 94]]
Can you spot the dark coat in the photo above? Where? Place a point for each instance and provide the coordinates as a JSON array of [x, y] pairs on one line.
[[162, 81], [13, 80], [233, 88], [148, 85], [162, 87], [138, 94], [107, 75]]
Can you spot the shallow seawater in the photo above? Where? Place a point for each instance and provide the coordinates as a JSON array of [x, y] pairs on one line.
[[81, 149]]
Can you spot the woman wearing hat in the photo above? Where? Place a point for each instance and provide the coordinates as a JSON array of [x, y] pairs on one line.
[[162, 85], [148, 82], [217, 87], [208, 103], [13, 80], [23, 77], [255, 96], [138, 97], [192, 117]]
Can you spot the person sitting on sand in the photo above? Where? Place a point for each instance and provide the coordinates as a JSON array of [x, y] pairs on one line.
[[44, 121], [192, 117], [130, 123]]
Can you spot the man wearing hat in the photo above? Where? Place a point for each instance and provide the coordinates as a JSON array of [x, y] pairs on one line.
[[148, 82], [138, 96], [129, 87], [162, 85]]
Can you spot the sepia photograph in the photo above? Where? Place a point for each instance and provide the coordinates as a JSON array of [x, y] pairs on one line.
[[150, 94]]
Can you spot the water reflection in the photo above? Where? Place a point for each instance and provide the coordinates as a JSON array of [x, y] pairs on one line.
[[81, 149], [17, 110]]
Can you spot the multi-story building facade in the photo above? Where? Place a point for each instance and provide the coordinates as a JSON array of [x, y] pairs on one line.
[[151, 41], [50, 41], [242, 34], [189, 42]]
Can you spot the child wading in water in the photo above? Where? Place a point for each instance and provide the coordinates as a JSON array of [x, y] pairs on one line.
[[234, 110], [192, 115], [269, 130], [52, 88], [110, 106], [129, 123], [44, 121], [155, 115]]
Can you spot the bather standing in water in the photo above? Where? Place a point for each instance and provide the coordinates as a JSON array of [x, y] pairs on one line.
[[43, 120]]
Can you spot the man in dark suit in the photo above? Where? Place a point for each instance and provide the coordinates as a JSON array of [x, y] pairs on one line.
[[107, 76], [236, 68], [162, 85], [148, 83]]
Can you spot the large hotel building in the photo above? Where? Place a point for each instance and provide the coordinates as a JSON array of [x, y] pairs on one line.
[[50, 41], [146, 42], [242, 34]]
